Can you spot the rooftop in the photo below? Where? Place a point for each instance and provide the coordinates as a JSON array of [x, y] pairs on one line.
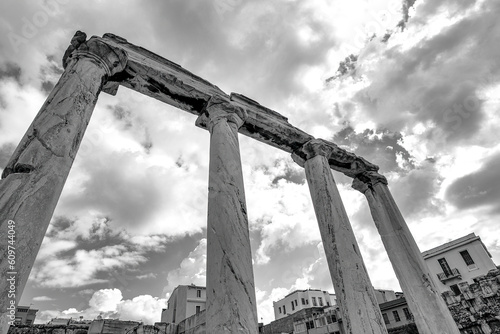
[[291, 293], [453, 244], [392, 303]]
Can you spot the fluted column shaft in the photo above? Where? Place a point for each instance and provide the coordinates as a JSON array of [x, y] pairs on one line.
[[231, 302], [428, 307], [353, 289], [35, 175]]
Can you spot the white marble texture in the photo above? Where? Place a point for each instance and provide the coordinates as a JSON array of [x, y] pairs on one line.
[[35, 175], [231, 303], [353, 289], [428, 307]]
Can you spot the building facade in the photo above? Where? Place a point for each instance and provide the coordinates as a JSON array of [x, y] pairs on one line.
[[185, 301], [25, 315], [302, 299], [323, 323], [457, 261], [467, 278], [328, 319], [396, 313]]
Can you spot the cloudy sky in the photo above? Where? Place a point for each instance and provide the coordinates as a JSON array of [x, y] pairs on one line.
[[420, 101]]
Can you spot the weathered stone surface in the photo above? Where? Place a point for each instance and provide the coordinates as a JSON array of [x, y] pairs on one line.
[[478, 305], [49, 329], [35, 175], [354, 291], [196, 324], [429, 310], [338, 159], [231, 303], [78, 39], [268, 126], [157, 77], [285, 325]]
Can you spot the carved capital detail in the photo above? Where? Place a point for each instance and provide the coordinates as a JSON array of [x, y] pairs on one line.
[[111, 59], [218, 109], [367, 180], [311, 149], [338, 158]]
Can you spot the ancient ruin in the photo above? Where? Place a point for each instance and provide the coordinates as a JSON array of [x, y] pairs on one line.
[[35, 175]]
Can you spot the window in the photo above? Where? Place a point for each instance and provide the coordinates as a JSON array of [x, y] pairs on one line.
[[310, 324], [396, 316], [293, 306], [407, 313], [279, 309], [303, 301], [455, 289], [284, 309], [446, 268], [314, 301], [320, 300], [320, 322], [332, 319], [468, 260], [299, 328], [198, 293], [386, 318], [198, 309], [296, 304]]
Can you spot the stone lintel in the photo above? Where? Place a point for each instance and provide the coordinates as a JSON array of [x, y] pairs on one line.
[[339, 159], [367, 180], [166, 81], [217, 109]]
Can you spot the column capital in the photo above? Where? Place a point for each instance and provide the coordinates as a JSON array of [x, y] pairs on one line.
[[220, 108], [311, 149], [111, 59], [339, 159], [367, 180]]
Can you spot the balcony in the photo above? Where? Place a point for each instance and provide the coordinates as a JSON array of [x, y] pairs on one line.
[[443, 277]]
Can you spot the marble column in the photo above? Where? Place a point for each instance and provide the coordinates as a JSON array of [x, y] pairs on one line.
[[353, 289], [428, 307], [34, 177], [231, 303]]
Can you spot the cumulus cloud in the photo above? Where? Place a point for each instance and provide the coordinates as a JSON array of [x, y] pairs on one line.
[[381, 147], [279, 208], [105, 300], [265, 302], [435, 79], [423, 200], [109, 303], [81, 268], [191, 270]]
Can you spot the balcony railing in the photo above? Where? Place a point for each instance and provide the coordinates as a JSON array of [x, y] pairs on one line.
[[454, 274]]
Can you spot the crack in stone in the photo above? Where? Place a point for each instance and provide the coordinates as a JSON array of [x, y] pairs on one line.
[[45, 145]]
